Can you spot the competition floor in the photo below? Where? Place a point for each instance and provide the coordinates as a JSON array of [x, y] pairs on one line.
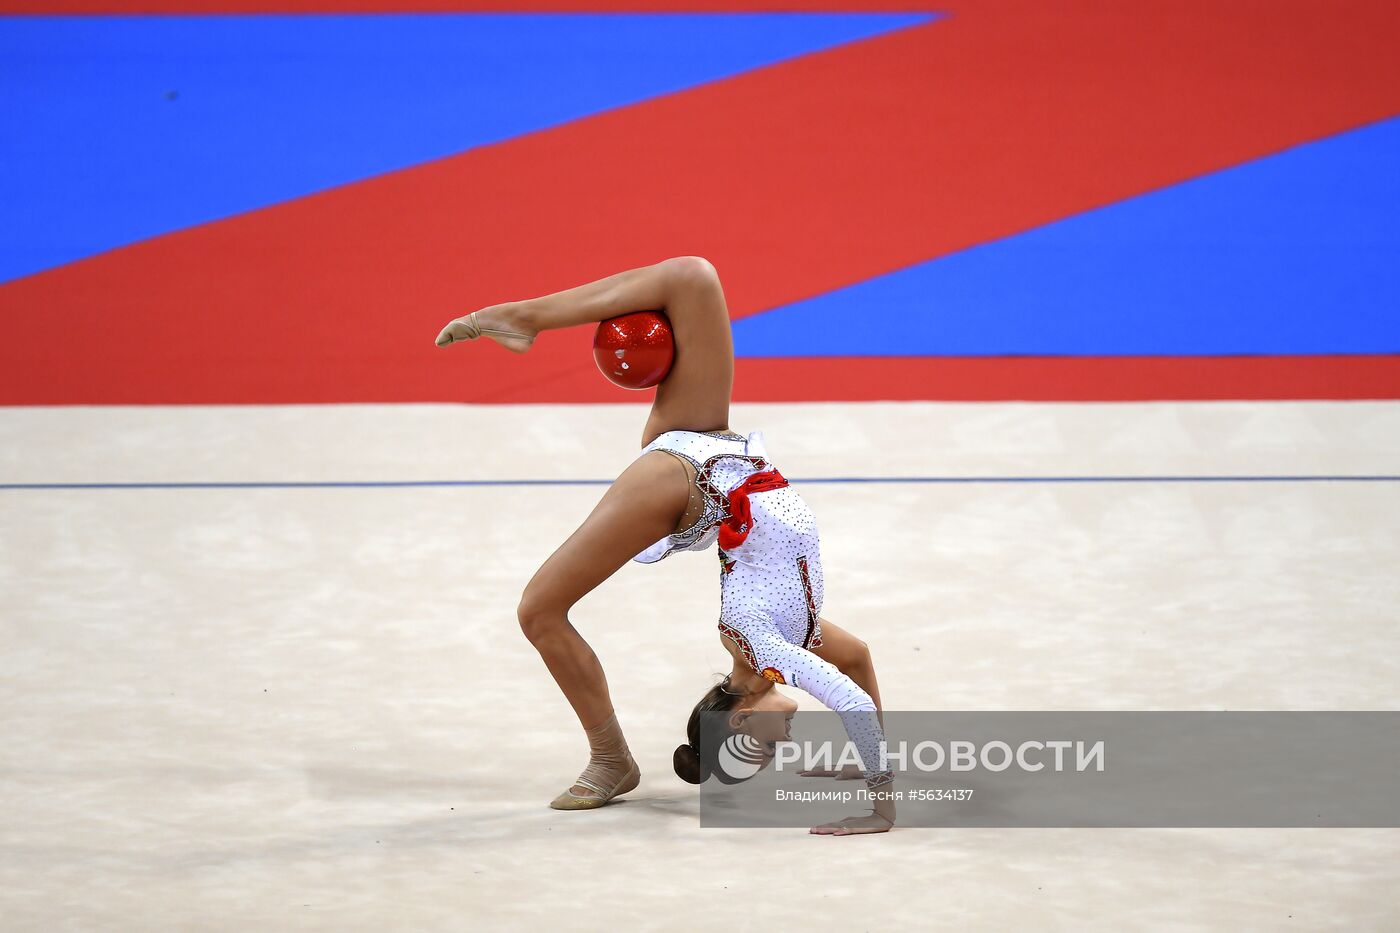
[[247, 707]]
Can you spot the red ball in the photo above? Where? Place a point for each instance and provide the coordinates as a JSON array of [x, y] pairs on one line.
[[635, 350]]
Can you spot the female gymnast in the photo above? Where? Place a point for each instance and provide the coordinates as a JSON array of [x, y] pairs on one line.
[[695, 481]]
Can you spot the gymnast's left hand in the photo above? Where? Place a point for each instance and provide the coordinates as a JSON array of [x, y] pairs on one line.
[[855, 826], [848, 773]]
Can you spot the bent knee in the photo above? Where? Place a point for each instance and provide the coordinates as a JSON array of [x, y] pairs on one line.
[[694, 272], [538, 617], [849, 655]]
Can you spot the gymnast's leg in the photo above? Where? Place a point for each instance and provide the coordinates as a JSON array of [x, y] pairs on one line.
[[695, 394], [647, 502], [641, 507]]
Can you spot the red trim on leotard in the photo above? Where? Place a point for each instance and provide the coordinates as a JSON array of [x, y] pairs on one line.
[[736, 636], [813, 638]]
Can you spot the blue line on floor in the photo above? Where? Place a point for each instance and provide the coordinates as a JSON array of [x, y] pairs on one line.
[[888, 480]]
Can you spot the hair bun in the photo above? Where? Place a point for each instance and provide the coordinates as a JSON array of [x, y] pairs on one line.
[[688, 766]]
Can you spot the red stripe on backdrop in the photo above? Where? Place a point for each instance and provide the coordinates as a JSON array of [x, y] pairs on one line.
[[795, 179]]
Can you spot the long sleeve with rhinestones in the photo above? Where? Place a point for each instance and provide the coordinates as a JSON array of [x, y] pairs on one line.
[[833, 689]]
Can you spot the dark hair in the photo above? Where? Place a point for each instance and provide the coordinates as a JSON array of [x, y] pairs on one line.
[[687, 759]]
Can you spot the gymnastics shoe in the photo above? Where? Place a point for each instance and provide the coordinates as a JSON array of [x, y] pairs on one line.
[[611, 772], [468, 328]]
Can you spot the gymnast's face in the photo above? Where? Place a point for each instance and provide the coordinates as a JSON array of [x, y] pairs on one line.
[[766, 716]]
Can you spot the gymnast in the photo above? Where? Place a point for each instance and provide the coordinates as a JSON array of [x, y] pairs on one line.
[[695, 482]]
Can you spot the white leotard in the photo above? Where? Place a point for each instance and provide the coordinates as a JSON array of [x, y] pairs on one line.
[[771, 584]]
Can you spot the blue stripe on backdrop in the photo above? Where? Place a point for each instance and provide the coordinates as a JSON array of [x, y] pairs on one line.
[[1297, 253], [115, 129]]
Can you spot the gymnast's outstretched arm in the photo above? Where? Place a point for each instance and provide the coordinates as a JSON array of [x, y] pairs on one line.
[[852, 658], [758, 643]]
